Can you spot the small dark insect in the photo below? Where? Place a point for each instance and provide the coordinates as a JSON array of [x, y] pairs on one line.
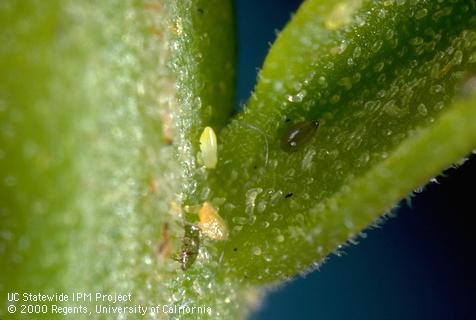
[[289, 195], [190, 245], [298, 135]]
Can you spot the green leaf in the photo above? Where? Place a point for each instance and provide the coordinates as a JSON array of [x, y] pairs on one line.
[[203, 58], [379, 76], [87, 175], [93, 94]]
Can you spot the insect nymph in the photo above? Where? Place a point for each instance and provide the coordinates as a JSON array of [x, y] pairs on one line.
[[190, 246], [298, 135], [211, 223]]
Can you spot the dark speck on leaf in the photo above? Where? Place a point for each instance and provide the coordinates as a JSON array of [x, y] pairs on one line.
[[298, 135], [200, 10], [235, 249], [289, 195]]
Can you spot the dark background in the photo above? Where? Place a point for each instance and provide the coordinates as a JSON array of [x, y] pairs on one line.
[[419, 265]]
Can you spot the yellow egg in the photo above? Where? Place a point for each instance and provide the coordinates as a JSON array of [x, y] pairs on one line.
[[211, 223], [208, 147]]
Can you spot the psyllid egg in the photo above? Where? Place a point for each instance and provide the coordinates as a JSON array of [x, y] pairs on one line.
[[208, 147], [298, 135]]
